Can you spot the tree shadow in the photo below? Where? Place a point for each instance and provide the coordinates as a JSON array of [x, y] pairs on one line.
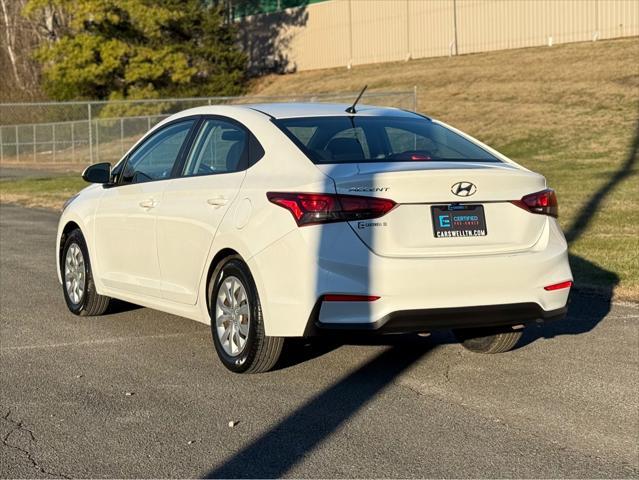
[[588, 305], [282, 446], [591, 207], [266, 39]]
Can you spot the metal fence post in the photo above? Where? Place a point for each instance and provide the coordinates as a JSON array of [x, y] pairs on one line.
[[53, 140], [17, 146], [97, 140], [90, 135], [73, 141], [1, 146], [414, 98], [34, 144], [121, 136]]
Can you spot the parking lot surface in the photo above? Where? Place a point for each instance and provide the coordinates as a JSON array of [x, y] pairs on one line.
[[139, 393]]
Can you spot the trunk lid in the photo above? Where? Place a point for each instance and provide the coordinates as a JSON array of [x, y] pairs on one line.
[[409, 229]]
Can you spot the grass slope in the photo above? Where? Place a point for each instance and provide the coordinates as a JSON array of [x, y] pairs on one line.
[[570, 112], [43, 192]]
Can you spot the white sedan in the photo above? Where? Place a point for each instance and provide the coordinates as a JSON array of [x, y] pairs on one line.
[[290, 220]]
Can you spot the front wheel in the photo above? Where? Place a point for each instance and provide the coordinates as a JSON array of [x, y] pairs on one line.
[[77, 278], [236, 321], [488, 340]]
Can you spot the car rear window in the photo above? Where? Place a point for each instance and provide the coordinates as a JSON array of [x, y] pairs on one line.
[[349, 139]]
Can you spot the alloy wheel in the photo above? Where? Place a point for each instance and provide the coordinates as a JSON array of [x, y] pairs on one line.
[[75, 273], [232, 316]]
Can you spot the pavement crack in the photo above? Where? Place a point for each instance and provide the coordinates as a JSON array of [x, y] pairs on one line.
[[450, 366], [18, 425]]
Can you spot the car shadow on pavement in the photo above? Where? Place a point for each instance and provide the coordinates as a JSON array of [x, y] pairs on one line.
[[301, 350], [275, 452], [586, 308], [120, 306]]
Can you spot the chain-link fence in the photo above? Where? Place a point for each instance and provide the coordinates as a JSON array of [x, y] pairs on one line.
[[80, 133]]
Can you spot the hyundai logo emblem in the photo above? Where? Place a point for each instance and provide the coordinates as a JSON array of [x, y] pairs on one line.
[[463, 189]]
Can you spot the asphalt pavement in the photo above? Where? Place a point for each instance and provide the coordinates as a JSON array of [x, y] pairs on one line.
[[140, 393]]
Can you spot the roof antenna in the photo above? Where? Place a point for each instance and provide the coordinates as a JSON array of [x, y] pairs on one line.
[[351, 109]]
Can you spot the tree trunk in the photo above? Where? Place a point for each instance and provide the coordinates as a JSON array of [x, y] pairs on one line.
[[10, 38]]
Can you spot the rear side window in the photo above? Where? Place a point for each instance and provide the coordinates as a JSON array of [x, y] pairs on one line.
[[220, 147], [348, 139]]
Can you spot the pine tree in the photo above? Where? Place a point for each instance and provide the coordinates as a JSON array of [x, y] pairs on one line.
[[139, 49]]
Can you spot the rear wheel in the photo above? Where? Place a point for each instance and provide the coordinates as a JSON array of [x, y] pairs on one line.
[[236, 321], [488, 340], [77, 278]]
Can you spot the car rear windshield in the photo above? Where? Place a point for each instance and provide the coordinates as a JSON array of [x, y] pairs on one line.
[[349, 139]]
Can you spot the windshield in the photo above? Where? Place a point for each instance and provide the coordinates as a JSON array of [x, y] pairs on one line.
[[349, 139]]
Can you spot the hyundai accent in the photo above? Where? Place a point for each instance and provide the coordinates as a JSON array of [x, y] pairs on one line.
[[291, 220]]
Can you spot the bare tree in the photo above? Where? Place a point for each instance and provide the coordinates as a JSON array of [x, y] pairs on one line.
[[10, 39], [19, 38]]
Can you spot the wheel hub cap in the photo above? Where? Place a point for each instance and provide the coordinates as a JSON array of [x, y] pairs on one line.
[[74, 273], [232, 316]]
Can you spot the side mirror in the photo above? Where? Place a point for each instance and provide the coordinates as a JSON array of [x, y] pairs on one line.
[[97, 173]]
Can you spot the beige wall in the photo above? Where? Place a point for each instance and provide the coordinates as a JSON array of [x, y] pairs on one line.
[[351, 32]]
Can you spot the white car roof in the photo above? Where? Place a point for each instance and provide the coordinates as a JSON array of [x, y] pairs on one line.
[[288, 110], [296, 110]]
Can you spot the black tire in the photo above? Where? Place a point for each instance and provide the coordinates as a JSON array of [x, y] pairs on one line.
[[260, 353], [90, 303], [488, 340]]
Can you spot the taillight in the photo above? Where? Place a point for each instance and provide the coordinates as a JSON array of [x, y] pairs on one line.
[[314, 208], [544, 203]]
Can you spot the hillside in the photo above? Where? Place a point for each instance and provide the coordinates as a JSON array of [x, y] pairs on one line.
[[570, 112]]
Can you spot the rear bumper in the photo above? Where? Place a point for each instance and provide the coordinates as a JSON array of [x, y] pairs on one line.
[[429, 319], [415, 294]]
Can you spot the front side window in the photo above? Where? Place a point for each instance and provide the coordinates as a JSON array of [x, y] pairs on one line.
[[220, 147], [155, 158], [349, 139]]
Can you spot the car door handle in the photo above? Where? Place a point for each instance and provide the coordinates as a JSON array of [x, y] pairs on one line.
[[148, 203], [217, 201]]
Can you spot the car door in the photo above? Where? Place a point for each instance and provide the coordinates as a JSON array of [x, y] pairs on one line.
[[125, 221], [196, 201]]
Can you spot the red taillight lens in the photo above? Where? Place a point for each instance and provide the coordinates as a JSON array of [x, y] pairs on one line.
[[314, 208], [559, 286], [544, 203]]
